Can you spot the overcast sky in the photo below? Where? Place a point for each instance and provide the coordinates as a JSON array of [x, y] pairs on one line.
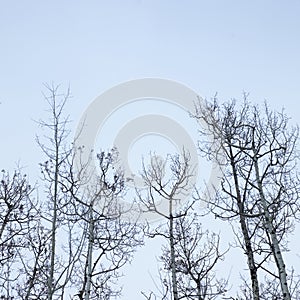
[[210, 46]]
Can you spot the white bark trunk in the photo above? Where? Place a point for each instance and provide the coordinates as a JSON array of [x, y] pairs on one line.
[[275, 248], [244, 228], [173, 267], [89, 256], [54, 217], [172, 251]]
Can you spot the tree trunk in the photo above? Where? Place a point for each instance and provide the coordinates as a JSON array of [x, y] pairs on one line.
[[89, 256], [199, 290], [54, 217], [275, 248], [172, 250], [247, 241]]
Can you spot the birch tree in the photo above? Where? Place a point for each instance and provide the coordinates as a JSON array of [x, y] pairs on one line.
[[108, 238], [54, 145], [33, 260], [170, 188], [197, 253], [17, 214], [43, 270], [88, 241], [190, 254], [260, 186]]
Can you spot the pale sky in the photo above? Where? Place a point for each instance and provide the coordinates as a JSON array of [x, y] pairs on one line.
[[210, 46]]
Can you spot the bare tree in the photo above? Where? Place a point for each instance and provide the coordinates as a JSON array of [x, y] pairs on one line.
[[108, 239], [170, 189], [16, 213], [270, 288], [190, 270], [43, 269], [260, 185], [71, 240], [33, 269], [196, 256], [61, 256], [216, 129]]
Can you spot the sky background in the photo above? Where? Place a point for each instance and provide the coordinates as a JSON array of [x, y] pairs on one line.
[[223, 47]]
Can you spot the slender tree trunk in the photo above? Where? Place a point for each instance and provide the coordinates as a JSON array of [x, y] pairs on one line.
[[54, 218], [199, 290], [247, 240], [275, 248], [250, 258], [172, 250], [89, 256]]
